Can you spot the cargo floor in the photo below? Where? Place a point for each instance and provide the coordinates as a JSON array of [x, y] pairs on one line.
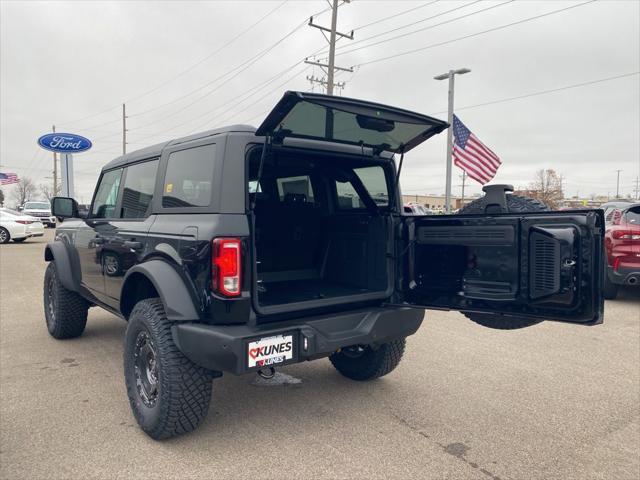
[[278, 293]]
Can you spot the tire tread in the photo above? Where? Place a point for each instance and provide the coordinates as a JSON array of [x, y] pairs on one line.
[[185, 388], [373, 363], [71, 309]]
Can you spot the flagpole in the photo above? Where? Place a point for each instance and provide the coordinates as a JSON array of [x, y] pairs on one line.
[[450, 76]]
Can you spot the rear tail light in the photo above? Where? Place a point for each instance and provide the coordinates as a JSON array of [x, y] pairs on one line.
[[24, 222], [226, 265], [625, 235]]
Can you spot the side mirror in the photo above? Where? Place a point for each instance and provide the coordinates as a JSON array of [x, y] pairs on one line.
[[64, 207]]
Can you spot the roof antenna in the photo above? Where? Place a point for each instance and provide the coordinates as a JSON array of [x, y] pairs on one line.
[[265, 147]]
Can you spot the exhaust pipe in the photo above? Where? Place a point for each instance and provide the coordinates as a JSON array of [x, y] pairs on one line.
[[632, 280], [267, 374]]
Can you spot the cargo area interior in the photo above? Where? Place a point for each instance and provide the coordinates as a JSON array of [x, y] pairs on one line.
[[322, 229]]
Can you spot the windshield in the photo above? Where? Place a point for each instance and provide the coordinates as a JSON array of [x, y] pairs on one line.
[[37, 206]]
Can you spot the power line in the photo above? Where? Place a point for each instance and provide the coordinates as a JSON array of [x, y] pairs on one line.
[[402, 27], [101, 112], [384, 19], [426, 28], [238, 70], [90, 116], [494, 29], [544, 92], [209, 56], [214, 112], [276, 88]]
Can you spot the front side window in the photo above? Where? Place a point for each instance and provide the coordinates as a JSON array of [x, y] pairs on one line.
[[137, 193], [104, 204], [189, 178], [374, 181]]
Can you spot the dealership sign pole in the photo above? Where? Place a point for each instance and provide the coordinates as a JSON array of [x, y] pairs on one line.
[[66, 144]]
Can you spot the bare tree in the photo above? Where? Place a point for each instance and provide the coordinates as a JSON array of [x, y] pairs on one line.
[[23, 191], [547, 187], [47, 190]]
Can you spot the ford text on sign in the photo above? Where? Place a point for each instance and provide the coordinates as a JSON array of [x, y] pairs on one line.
[[64, 142]]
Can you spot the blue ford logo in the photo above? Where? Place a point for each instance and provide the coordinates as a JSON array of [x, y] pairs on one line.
[[64, 142]]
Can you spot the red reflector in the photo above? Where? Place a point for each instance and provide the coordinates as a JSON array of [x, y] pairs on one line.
[[616, 263], [226, 266]]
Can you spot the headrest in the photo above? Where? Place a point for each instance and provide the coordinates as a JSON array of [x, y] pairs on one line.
[[295, 198]]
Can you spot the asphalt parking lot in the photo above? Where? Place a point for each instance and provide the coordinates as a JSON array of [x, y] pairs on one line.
[[551, 401]]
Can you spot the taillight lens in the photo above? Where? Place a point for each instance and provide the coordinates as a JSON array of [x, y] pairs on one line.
[[226, 265], [24, 222], [625, 235]]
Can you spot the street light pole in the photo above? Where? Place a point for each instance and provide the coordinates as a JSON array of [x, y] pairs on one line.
[[450, 75]]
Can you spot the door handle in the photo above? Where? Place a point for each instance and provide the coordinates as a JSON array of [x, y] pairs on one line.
[[133, 245]]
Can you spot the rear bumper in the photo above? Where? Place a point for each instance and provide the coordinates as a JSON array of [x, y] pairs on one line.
[[624, 276], [225, 348]]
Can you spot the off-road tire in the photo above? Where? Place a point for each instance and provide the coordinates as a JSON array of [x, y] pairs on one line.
[[515, 203], [610, 289], [65, 311], [19, 240], [370, 363], [5, 236], [183, 388]]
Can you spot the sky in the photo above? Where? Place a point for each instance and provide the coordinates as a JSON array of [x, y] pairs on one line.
[[186, 66]]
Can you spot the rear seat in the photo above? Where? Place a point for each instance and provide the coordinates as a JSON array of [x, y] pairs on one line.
[[287, 235]]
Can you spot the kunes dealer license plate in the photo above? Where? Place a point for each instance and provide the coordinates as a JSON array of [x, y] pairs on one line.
[[270, 351]]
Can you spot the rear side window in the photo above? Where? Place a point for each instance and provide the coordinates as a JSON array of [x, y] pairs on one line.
[[104, 204], [139, 183], [374, 182], [633, 216], [189, 177]]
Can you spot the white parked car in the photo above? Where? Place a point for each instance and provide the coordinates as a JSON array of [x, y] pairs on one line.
[[41, 210], [18, 227]]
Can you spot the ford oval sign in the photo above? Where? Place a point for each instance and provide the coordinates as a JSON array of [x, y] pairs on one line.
[[64, 143]]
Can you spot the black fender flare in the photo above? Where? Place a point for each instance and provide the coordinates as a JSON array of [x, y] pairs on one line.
[[178, 302], [58, 253]]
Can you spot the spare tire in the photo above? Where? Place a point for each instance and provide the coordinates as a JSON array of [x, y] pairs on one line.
[[515, 203]]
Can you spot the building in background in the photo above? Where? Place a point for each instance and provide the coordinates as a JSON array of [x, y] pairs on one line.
[[436, 203]]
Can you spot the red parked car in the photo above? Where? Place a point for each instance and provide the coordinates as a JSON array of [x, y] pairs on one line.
[[622, 244]]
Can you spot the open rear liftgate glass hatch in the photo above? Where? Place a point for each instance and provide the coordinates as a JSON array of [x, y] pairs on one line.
[[542, 264]]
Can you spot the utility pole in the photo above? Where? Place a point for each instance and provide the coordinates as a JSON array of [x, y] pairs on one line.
[[330, 67], [124, 129], [450, 75], [55, 167], [464, 178], [618, 185], [637, 189]]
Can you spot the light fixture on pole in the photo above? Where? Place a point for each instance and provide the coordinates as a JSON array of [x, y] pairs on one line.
[[449, 75]]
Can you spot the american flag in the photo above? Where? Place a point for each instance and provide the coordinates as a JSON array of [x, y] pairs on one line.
[[8, 178], [471, 155]]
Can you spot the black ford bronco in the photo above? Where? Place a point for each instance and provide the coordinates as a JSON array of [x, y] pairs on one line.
[[240, 250]]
